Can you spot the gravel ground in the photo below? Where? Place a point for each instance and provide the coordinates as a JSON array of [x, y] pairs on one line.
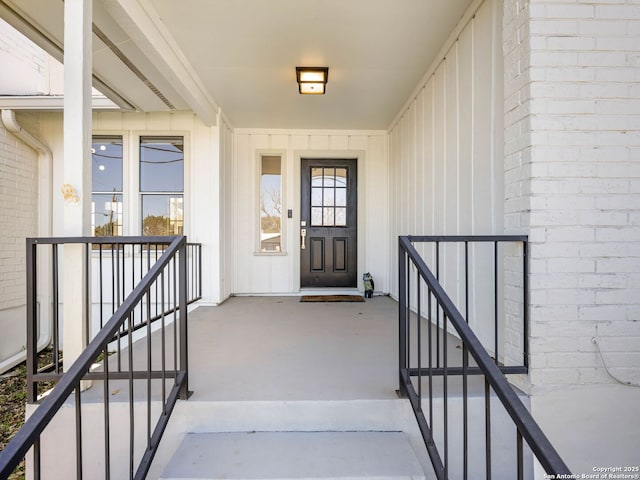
[[13, 397]]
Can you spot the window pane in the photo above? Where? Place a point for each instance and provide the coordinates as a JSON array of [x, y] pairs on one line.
[[106, 215], [316, 197], [162, 215], [316, 177], [328, 197], [327, 214], [316, 216], [270, 204], [341, 217], [329, 174], [106, 164], [341, 197], [161, 164], [341, 177]]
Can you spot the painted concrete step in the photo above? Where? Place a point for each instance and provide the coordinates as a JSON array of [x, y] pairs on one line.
[[295, 455]]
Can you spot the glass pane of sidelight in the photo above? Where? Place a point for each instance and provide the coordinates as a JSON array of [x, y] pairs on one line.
[[271, 204]]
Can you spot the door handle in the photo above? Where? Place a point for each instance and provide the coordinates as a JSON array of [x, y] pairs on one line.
[[303, 236]]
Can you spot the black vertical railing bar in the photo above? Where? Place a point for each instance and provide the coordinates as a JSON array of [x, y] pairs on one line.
[[107, 427], [175, 322], [525, 302], [119, 333], [199, 264], [419, 339], [520, 456], [495, 301], [445, 397], [163, 342], [37, 466], [487, 428], [429, 350], [81, 368], [54, 310], [131, 392], [408, 306], [87, 294], [78, 409], [32, 321], [184, 351], [525, 424], [402, 324], [465, 365], [438, 309], [101, 301], [149, 367]]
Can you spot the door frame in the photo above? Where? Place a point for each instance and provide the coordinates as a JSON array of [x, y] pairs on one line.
[[359, 156]]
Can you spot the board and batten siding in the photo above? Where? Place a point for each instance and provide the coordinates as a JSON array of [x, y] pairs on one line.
[[446, 152], [259, 273]]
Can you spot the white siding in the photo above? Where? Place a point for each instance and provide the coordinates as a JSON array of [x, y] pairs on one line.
[[259, 273], [446, 153]]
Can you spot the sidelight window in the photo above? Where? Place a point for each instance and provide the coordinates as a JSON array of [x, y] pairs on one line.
[[329, 197], [270, 203]]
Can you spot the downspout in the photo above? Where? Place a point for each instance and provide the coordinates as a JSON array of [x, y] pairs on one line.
[[45, 212]]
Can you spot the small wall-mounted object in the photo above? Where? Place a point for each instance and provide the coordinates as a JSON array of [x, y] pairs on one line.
[[289, 213], [69, 194], [312, 80]]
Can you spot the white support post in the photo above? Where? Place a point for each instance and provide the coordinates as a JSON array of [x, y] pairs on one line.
[[77, 170]]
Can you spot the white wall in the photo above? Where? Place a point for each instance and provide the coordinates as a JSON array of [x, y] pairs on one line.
[[257, 273], [445, 149]]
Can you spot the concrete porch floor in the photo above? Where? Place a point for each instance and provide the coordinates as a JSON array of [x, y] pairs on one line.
[[277, 348]]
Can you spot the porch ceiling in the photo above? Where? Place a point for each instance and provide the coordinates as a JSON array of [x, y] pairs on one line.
[[241, 55]]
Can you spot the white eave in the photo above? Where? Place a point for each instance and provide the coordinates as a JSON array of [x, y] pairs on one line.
[[49, 102]]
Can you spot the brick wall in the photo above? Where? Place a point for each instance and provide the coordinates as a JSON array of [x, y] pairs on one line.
[[572, 181], [18, 212]]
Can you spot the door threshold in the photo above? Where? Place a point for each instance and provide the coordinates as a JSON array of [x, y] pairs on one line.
[[330, 291]]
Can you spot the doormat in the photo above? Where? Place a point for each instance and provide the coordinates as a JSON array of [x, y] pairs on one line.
[[331, 298]]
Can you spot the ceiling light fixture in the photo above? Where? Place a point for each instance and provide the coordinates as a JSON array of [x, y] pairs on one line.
[[312, 80]]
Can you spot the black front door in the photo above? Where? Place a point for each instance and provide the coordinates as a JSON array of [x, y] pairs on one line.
[[328, 223]]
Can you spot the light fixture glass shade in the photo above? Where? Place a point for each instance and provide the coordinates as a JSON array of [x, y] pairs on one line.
[[313, 88], [312, 80]]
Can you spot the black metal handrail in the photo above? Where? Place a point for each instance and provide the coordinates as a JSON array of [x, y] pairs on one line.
[[117, 265], [168, 362], [472, 349]]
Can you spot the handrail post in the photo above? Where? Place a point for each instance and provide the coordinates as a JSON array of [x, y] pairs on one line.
[[182, 308], [32, 321], [402, 318]]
